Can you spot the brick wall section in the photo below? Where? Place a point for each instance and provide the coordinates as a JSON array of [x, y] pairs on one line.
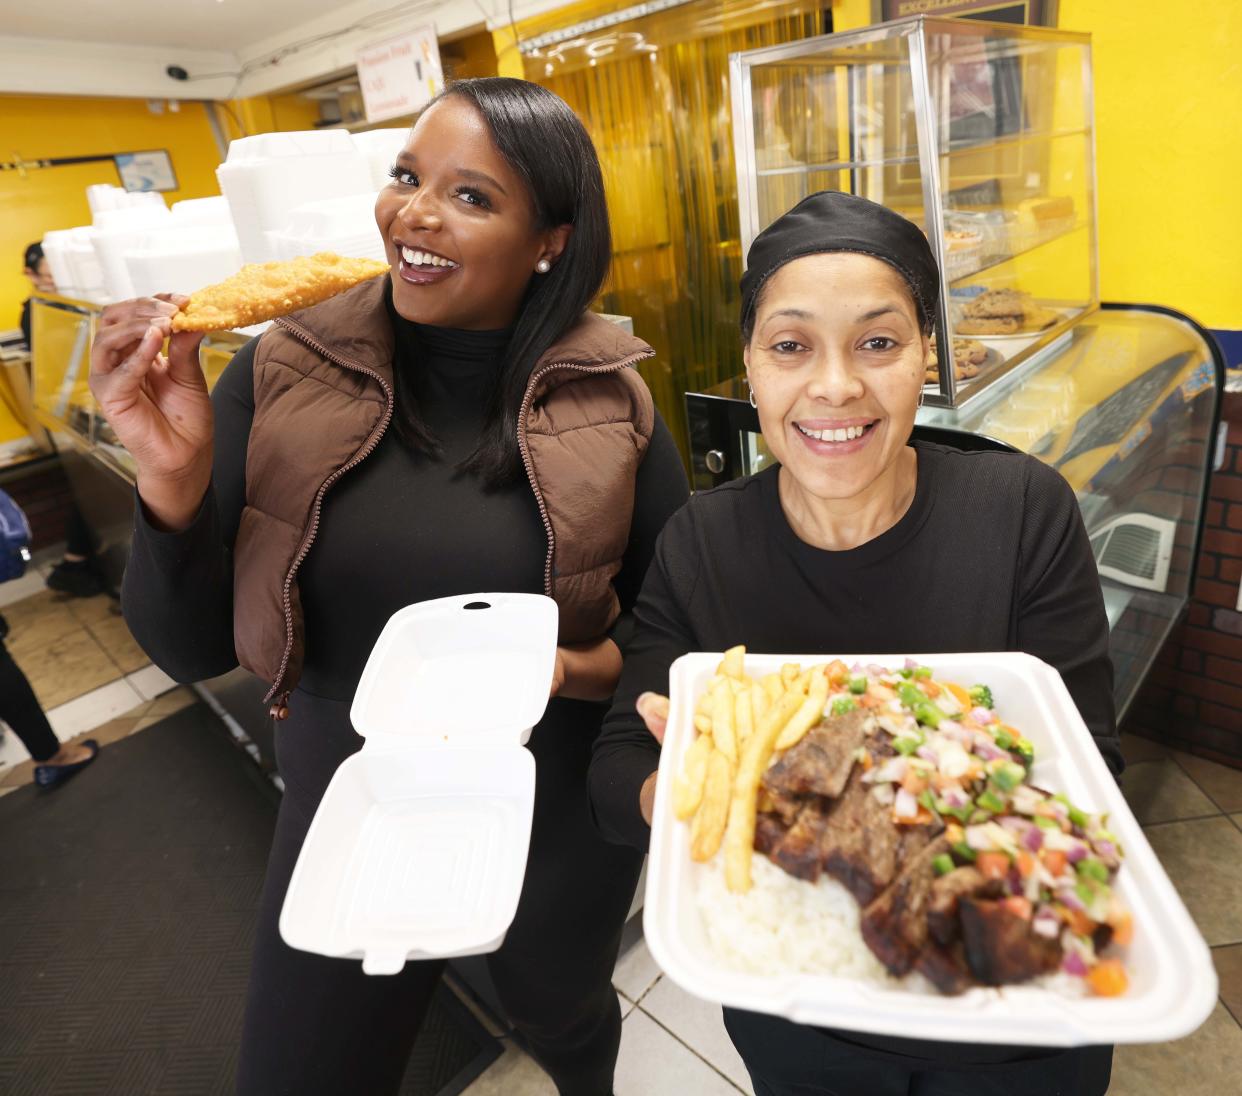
[[1193, 697], [45, 495]]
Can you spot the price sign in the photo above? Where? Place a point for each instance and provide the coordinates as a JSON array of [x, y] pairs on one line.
[[400, 75]]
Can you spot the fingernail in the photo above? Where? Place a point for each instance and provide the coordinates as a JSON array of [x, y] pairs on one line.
[[643, 698]]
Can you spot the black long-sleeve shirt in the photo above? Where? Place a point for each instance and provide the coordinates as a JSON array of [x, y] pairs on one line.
[[992, 555], [399, 528]]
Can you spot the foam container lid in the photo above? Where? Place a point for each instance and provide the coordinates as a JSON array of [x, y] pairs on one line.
[[1173, 983], [418, 848]]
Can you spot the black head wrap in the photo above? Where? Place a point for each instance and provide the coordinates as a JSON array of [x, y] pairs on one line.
[[832, 221]]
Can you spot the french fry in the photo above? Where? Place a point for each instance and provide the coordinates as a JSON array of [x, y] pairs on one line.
[[708, 826], [703, 724], [739, 837], [743, 716], [803, 681], [789, 673], [732, 666], [759, 704], [724, 732], [773, 686], [688, 787], [810, 712], [703, 706]]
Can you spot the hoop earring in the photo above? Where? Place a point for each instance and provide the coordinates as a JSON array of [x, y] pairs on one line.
[[751, 392], [543, 266]]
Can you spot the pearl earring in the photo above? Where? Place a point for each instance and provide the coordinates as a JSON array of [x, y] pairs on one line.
[[543, 266]]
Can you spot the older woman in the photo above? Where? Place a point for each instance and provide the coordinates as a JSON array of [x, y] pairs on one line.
[[858, 539]]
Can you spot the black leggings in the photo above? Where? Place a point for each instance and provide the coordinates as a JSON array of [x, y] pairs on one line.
[[788, 1059], [316, 1025], [20, 709]]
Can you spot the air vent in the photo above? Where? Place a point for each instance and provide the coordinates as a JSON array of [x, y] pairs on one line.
[[1135, 549]]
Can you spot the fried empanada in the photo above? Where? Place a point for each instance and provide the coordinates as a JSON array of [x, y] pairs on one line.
[[263, 291]]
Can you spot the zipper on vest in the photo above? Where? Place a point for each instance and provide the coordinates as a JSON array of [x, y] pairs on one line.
[[280, 709], [524, 447]]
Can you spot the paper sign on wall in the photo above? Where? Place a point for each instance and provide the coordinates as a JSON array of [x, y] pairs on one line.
[[400, 75], [146, 170]]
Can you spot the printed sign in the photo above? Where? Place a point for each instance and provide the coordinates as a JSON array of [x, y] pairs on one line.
[[400, 76], [146, 170]]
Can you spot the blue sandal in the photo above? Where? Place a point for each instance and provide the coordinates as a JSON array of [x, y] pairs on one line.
[[49, 776]]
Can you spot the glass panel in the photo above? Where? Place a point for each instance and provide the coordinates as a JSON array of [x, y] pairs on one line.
[[756, 456]]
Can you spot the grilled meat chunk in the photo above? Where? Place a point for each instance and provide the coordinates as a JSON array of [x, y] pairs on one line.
[[942, 919], [800, 852], [769, 832], [945, 967], [1000, 946], [821, 763], [895, 924]]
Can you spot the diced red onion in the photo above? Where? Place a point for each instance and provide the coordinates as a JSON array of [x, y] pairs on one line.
[[990, 752], [1074, 964], [1107, 850], [1033, 839], [926, 753], [1015, 825], [1014, 880], [982, 715], [978, 838], [856, 668], [949, 727], [911, 664], [1077, 851], [1047, 927], [1070, 900], [876, 670], [955, 797], [905, 806]]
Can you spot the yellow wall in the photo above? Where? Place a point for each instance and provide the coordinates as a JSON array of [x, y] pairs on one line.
[[1168, 105], [46, 126]]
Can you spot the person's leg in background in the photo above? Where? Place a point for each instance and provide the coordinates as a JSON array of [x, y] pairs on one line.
[[1080, 1071], [554, 971], [77, 574], [20, 709]]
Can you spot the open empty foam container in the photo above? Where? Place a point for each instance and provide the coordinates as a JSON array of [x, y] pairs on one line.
[[418, 848], [344, 225]]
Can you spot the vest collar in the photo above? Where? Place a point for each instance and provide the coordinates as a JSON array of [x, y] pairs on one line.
[[353, 326]]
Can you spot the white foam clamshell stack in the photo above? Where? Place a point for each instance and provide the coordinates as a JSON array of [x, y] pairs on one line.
[[1173, 984], [418, 848], [116, 232], [268, 174], [344, 225], [380, 147], [182, 260]]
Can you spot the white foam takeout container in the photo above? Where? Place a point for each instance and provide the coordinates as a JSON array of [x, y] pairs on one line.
[[418, 848], [1172, 981]]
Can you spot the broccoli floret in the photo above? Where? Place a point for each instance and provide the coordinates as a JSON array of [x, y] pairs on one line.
[[980, 695]]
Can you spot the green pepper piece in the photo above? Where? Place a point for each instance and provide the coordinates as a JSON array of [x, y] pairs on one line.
[[964, 851], [942, 864], [1091, 868], [907, 744], [909, 695], [926, 799], [843, 704], [1046, 823], [858, 684], [1004, 739], [921, 673], [1077, 817], [1085, 892], [1008, 776], [928, 713], [990, 801]]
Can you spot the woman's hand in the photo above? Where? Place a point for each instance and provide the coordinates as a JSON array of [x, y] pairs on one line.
[[158, 407], [654, 711], [587, 671]]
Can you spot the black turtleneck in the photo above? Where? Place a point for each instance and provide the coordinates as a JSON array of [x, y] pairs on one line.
[[399, 528]]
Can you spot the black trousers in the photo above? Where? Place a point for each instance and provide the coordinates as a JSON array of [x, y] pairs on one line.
[[20, 709], [316, 1026], [788, 1059]]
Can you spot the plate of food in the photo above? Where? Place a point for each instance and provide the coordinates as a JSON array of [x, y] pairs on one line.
[[1004, 313], [970, 358], [928, 847]]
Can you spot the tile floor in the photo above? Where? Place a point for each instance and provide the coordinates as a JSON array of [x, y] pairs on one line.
[[92, 677]]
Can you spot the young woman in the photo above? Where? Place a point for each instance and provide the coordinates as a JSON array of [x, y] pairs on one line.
[[463, 424], [859, 540]]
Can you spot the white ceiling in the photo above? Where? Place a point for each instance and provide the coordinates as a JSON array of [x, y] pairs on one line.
[[230, 25]]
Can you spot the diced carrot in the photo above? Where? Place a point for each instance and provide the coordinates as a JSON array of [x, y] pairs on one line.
[[960, 695], [930, 688], [914, 782], [993, 865], [1054, 860], [1079, 923], [1123, 930], [921, 819], [1026, 864], [868, 701], [838, 673], [1018, 905], [1108, 978], [867, 761]]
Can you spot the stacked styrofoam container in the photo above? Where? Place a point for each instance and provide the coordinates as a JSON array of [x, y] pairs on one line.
[[198, 247], [380, 147], [345, 226], [74, 265], [268, 175], [115, 232]]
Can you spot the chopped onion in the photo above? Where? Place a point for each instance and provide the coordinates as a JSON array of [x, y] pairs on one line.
[[884, 794], [949, 727], [989, 751], [1108, 852], [1033, 839], [876, 670], [1077, 851], [955, 797], [1015, 825], [911, 664], [856, 668], [1046, 925], [982, 715], [926, 753], [1073, 964], [905, 805], [1070, 900]]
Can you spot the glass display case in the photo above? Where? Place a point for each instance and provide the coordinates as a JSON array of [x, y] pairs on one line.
[[979, 133]]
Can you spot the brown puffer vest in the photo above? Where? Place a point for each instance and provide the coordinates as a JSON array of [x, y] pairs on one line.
[[323, 397]]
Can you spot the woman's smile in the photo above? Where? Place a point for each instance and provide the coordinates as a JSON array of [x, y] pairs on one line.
[[835, 438]]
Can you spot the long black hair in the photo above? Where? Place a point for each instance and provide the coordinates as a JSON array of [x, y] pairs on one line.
[[543, 140]]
